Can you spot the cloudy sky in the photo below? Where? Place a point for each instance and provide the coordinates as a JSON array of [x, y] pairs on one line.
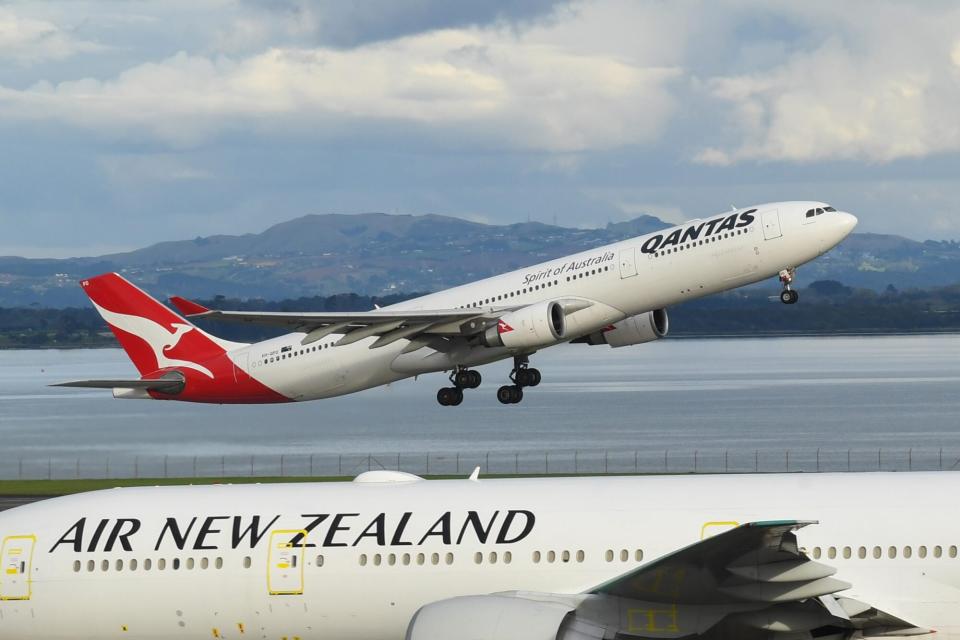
[[126, 123]]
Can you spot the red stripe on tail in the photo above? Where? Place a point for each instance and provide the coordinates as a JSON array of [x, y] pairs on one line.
[[152, 335]]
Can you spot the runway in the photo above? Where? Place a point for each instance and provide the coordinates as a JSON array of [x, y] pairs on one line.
[[9, 502]]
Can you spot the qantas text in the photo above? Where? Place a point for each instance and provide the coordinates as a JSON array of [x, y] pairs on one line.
[[695, 231]]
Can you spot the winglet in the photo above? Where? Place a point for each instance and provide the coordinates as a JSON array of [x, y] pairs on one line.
[[188, 307], [475, 476]]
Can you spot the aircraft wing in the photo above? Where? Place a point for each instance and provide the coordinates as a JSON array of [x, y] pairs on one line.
[[387, 325], [749, 577]]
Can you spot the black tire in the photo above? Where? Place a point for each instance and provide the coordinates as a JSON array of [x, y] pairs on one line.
[[505, 394], [475, 379], [794, 297], [456, 396], [443, 397], [786, 296], [463, 379], [523, 377], [517, 394], [535, 377]]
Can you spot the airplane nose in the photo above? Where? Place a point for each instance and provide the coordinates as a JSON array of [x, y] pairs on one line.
[[847, 221]]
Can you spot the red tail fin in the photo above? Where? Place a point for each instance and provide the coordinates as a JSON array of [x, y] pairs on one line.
[[152, 335]]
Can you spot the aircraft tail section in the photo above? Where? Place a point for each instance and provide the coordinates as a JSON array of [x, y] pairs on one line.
[[154, 337]]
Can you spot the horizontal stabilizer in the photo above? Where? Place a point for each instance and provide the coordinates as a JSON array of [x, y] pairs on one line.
[[169, 385]]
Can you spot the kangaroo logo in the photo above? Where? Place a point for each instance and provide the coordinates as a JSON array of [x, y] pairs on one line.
[[160, 339]]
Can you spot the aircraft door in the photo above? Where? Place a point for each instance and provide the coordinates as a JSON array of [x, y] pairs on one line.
[[771, 224], [17, 558], [628, 262], [710, 529], [285, 563]]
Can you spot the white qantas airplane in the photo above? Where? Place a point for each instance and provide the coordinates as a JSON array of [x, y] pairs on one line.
[[615, 295], [389, 555]]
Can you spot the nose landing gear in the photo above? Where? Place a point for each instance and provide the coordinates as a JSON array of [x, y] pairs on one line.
[[788, 295], [523, 375], [461, 379]]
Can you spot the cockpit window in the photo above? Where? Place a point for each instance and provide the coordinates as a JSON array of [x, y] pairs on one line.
[[810, 213], [828, 208], [819, 211]]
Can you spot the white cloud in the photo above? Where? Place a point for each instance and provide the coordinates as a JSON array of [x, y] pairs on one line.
[[492, 84], [147, 169], [713, 157], [26, 39], [870, 91]]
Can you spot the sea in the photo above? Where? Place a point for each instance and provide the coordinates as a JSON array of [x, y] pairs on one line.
[[674, 405]]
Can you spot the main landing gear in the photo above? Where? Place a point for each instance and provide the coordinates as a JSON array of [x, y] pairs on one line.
[[523, 375], [460, 379], [788, 295]]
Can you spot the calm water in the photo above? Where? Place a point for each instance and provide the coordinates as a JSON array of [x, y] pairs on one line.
[[738, 394]]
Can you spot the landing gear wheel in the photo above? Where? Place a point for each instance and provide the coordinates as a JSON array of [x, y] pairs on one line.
[[509, 394], [789, 296], [450, 396], [467, 379], [535, 377], [528, 377]]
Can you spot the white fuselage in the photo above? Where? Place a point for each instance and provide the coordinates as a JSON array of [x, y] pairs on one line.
[[620, 280], [181, 562]]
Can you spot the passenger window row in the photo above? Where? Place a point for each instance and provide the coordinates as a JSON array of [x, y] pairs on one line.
[[493, 557], [509, 294], [552, 556], [537, 287], [161, 564], [585, 274], [878, 552], [292, 354], [406, 559], [623, 555]]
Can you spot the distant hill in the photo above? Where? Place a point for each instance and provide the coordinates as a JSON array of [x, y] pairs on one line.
[[381, 254]]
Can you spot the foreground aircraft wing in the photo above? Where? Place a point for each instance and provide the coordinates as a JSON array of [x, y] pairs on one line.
[[749, 577], [388, 325]]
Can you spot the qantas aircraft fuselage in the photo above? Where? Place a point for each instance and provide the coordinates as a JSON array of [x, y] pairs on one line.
[[615, 294]]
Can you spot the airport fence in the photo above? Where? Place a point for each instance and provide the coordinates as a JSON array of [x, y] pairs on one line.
[[620, 461]]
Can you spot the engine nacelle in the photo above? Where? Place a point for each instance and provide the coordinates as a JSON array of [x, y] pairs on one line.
[[645, 327], [489, 618], [537, 325]]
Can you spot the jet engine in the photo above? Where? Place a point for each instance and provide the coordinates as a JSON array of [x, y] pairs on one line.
[[497, 617], [531, 327], [645, 327]]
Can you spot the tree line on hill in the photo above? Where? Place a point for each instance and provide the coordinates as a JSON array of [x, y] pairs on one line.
[[825, 307]]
